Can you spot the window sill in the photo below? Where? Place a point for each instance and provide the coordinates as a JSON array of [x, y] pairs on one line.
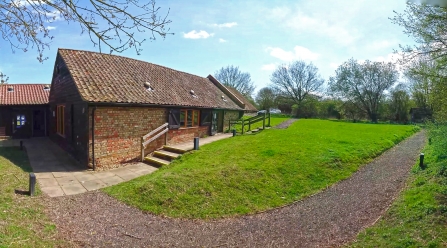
[[182, 128]]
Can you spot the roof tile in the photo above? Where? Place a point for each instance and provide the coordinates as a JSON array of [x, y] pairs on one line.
[[116, 79], [23, 94]]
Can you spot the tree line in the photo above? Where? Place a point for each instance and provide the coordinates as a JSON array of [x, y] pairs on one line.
[[368, 89], [358, 90]]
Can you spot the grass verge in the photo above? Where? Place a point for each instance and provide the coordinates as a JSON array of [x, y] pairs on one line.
[[418, 218], [23, 222], [252, 173]]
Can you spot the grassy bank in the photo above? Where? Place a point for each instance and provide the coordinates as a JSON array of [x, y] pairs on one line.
[[418, 218], [23, 222], [251, 173]]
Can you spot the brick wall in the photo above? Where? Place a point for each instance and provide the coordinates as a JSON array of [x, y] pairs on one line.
[[183, 135], [118, 132]]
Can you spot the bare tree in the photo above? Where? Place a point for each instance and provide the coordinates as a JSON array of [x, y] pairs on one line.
[[3, 78], [231, 76], [114, 23], [363, 84], [296, 81], [266, 98]]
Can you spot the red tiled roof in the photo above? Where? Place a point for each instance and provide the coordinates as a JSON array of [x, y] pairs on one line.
[[116, 79], [248, 105], [23, 94]]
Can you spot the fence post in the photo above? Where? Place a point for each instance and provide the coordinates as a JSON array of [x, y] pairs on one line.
[[243, 126], [166, 137], [142, 149], [196, 143], [32, 184], [263, 121], [269, 120], [421, 160]]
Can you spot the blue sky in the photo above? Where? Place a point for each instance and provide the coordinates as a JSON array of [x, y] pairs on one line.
[[257, 36]]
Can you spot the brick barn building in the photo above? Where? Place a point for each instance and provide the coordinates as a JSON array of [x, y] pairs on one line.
[[101, 105]]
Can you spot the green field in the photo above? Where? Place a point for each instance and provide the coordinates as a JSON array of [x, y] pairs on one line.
[[23, 222], [251, 173], [418, 218]]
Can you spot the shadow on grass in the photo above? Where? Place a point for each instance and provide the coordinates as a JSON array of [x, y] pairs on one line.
[[17, 157]]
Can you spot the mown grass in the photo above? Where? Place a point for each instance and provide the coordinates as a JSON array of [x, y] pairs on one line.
[[23, 222], [252, 173], [418, 218], [274, 120]]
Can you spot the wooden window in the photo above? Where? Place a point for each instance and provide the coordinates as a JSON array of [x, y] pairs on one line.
[[60, 120], [20, 121], [205, 117], [189, 118], [183, 118]]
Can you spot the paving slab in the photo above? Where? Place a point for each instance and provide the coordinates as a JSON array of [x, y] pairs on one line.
[[64, 181], [44, 175], [103, 174], [94, 184], [85, 177], [54, 191], [47, 182], [112, 180], [73, 189], [128, 175]]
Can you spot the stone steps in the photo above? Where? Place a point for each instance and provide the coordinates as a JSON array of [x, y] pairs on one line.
[[164, 156]]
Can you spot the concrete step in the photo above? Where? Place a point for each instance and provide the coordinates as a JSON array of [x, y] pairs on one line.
[[163, 154], [157, 161], [174, 149], [255, 130]]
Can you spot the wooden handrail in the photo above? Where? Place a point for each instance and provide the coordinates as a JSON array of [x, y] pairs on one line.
[[155, 130], [145, 143], [156, 136]]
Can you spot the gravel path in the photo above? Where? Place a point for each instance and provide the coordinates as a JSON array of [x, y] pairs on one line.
[[330, 218], [285, 124]]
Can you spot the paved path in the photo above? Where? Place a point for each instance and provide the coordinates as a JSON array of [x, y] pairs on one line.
[[330, 218], [58, 174]]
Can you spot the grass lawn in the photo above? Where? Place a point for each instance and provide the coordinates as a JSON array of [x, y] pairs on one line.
[[23, 222], [418, 218], [252, 173], [274, 120]]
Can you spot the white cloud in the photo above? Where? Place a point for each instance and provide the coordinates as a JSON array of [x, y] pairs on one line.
[[225, 25], [51, 28], [334, 65], [298, 53], [269, 67], [55, 15], [391, 57], [197, 35], [222, 40]]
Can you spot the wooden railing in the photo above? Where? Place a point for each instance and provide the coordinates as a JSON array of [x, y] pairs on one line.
[[250, 121], [163, 129]]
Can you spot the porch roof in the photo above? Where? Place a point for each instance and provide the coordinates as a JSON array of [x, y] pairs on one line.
[[24, 94]]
